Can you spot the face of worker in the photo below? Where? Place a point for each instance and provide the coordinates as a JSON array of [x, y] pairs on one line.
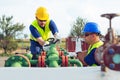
[[88, 37], [41, 23]]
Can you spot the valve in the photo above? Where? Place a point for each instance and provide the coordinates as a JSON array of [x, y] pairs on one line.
[[108, 55]]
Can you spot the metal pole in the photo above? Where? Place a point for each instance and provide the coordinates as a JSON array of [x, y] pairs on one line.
[[110, 16]]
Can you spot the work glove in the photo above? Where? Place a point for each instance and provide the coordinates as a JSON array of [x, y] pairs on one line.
[[46, 43], [46, 46], [58, 36]]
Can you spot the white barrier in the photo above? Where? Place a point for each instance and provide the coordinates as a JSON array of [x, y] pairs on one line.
[[62, 73]]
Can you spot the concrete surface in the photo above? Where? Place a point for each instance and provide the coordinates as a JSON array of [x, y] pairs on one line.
[[61, 73]]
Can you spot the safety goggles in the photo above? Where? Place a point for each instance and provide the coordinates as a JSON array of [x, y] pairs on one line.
[[87, 34], [42, 20]]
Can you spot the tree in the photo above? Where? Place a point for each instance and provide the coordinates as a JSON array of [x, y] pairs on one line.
[[25, 36], [77, 27], [8, 31]]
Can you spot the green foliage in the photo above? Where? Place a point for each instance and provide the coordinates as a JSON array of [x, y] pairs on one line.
[[6, 55], [12, 46], [8, 45], [63, 44], [23, 44], [8, 29], [77, 27], [25, 36], [8, 32]]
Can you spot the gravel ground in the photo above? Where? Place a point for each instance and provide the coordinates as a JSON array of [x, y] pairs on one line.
[[2, 61]]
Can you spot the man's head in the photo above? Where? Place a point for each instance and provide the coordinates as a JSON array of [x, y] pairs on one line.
[[42, 16], [91, 32]]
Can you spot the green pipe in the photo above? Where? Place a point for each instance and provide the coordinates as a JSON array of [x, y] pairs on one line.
[[53, 60], [53, 64], [17, 61], [29, 55], [33, 62], [16, 64], [52, 56], [75, 61]]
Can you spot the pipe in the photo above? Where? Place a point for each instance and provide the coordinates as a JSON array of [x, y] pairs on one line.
[[18, 60], [53, 64], [33, 62], [16, 64], [53, 60], [52, 56], [75, 61]]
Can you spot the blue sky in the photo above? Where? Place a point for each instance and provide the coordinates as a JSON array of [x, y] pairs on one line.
[[63, 12]]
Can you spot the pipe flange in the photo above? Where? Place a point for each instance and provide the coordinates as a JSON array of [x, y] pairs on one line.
[[111, 57]]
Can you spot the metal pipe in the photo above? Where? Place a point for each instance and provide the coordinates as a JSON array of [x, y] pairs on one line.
[[76, 62]]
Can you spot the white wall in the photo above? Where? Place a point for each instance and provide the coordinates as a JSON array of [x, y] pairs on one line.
[[62, 73]]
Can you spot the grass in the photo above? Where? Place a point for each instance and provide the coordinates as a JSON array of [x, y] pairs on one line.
[[23, 44], [7, 55]]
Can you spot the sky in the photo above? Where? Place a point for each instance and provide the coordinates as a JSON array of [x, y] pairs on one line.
[[63, 12]]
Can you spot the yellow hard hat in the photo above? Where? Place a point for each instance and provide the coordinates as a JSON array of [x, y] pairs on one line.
[[42, 13]]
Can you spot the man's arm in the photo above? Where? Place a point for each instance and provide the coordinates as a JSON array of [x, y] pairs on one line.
[[81, 56], [40, 41], [53, 28]]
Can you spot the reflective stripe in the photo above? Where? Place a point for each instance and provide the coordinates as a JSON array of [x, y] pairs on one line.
[[44, 34], [96, 45]]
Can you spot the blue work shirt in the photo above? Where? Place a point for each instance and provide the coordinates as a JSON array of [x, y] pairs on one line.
[[90, 59]]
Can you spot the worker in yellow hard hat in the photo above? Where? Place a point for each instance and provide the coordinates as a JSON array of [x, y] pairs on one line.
[[41, 29]]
